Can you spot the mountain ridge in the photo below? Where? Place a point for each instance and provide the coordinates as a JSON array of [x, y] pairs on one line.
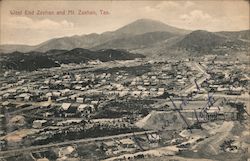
[[34, 60], [148, 36], [91, 40]]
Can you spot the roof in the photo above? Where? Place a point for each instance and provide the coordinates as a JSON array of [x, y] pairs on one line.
[[153, 137], [5, 103], [83, 106], [45, 104], [214, 109], [65, 106], [42, 159], [66, 150], [127, 141], [24, 95], [109, 143], [40, 121]]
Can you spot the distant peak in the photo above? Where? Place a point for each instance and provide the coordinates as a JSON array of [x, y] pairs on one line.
[[142, 26], [145, 20]]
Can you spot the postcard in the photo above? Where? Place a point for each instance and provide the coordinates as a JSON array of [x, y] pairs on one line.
[[124, 80]]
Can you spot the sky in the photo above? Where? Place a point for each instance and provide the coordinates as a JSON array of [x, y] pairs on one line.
[[25, 28]]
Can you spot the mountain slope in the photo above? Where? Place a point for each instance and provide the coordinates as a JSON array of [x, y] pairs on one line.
[[242, 35], [142, 26], [137, 41], [204, 41], [35, 60], [89, 41], [11, 48]]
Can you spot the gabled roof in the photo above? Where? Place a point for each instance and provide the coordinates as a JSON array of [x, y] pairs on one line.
[[65, 106]]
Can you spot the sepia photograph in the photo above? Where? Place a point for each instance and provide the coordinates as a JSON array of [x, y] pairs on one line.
[[124, 80]]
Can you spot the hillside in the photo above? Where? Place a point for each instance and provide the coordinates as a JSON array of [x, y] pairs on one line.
[[54, 58], [142, 26], [138, 41], [150, 38], [204, 42], [242, 35], [158, 120], [92, 40]]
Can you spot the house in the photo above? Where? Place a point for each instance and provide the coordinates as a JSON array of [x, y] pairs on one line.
[[60, 99], [160, 91], [68, 122], [66, 151], [153, 137], [109, 147], [56, 94], [39, 123], [86, 108], [5, 103], [94, 102], [68, 107], [127, 143], [65, 106], [79, 100], [65, 91], [230, 113], [136, 93], [145, 93], [23, 97], [42, 159], [123, 93], [47, 95]]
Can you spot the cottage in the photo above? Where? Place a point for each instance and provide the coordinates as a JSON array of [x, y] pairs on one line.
[[42, 159], [79, 100], [153, 137], [67, 107], [69, 122], [94, 102], [109, 147], [56, 94], [85, 108], [23, 97], [39, 123], [136, 93], [66, 151], [60, 99], [127, 143]]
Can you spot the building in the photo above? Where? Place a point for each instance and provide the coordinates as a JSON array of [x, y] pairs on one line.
[[127, 143], [39, 123], [86, 108]]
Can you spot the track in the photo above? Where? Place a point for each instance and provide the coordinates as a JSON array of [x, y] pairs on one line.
[[15, 152]]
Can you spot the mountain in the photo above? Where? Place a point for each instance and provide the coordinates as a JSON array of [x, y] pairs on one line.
[[148, 37], [204, 41], [54, 58], [197, 42], [79, 55], [142, 26], [138, 41], [242, 35], [11, 48], [26, 61], [89, 41]]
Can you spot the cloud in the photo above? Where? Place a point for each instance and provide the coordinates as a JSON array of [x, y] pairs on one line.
[[188, 4], [44, 24], [25, 30], [196, 15], [168, 5]]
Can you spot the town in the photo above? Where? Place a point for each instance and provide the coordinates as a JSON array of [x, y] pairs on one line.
[[126, 109]]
